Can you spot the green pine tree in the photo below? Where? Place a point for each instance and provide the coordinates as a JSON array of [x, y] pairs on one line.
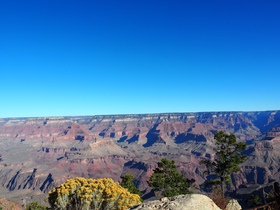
[[228, 156], [127, 182], [167, 180]]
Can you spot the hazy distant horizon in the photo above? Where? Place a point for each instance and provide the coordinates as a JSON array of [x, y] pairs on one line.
[[135, 114]]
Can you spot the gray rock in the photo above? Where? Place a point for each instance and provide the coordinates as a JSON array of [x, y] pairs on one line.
[[233, 205], [180, 202]]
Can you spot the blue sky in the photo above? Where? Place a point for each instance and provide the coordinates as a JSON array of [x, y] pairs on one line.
[[92, 57]]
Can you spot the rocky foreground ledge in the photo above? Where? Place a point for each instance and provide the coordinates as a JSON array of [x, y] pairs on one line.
[[185, 202]]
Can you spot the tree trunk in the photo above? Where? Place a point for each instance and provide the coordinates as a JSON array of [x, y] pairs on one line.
[[222, 187]]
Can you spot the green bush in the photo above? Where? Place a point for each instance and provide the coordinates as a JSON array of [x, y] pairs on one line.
[[35, 206], [85, 194]]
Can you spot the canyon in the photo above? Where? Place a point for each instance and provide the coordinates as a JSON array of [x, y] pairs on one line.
[[37, 154]]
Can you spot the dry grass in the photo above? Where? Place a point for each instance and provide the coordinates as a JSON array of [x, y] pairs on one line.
[[8, 205], [218, 198]]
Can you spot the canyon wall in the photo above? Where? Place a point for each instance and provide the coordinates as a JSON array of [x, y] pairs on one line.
[[37, 154]]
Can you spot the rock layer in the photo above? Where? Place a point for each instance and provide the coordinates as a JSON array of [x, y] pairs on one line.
[[39, 153]]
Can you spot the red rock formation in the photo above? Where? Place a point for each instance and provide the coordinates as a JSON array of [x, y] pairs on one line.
[[109, 146]]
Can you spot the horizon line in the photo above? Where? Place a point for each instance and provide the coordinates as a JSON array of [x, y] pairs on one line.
[[159, 113]]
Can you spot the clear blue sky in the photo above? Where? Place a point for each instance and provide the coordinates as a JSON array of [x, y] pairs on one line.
[[91, 57]]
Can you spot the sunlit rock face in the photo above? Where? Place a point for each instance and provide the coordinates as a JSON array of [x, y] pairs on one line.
[[180, 202], [39, 153]]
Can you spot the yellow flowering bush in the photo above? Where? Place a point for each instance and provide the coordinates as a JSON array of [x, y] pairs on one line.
[[84, 194]]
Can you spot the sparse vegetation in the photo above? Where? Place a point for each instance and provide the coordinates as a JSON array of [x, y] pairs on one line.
[[218, 198], [254, 200], [84, 194], [227, 159], [167, 180], [35, 206]]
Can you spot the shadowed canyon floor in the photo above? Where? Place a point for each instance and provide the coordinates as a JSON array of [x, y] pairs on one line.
[[37, 154]]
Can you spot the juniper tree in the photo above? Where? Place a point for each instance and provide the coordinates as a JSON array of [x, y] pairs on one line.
[[228, 156], [167, 180], [127, 182]]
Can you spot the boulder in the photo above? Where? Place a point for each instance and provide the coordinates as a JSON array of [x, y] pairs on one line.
[[233, 205], [180, 202]]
